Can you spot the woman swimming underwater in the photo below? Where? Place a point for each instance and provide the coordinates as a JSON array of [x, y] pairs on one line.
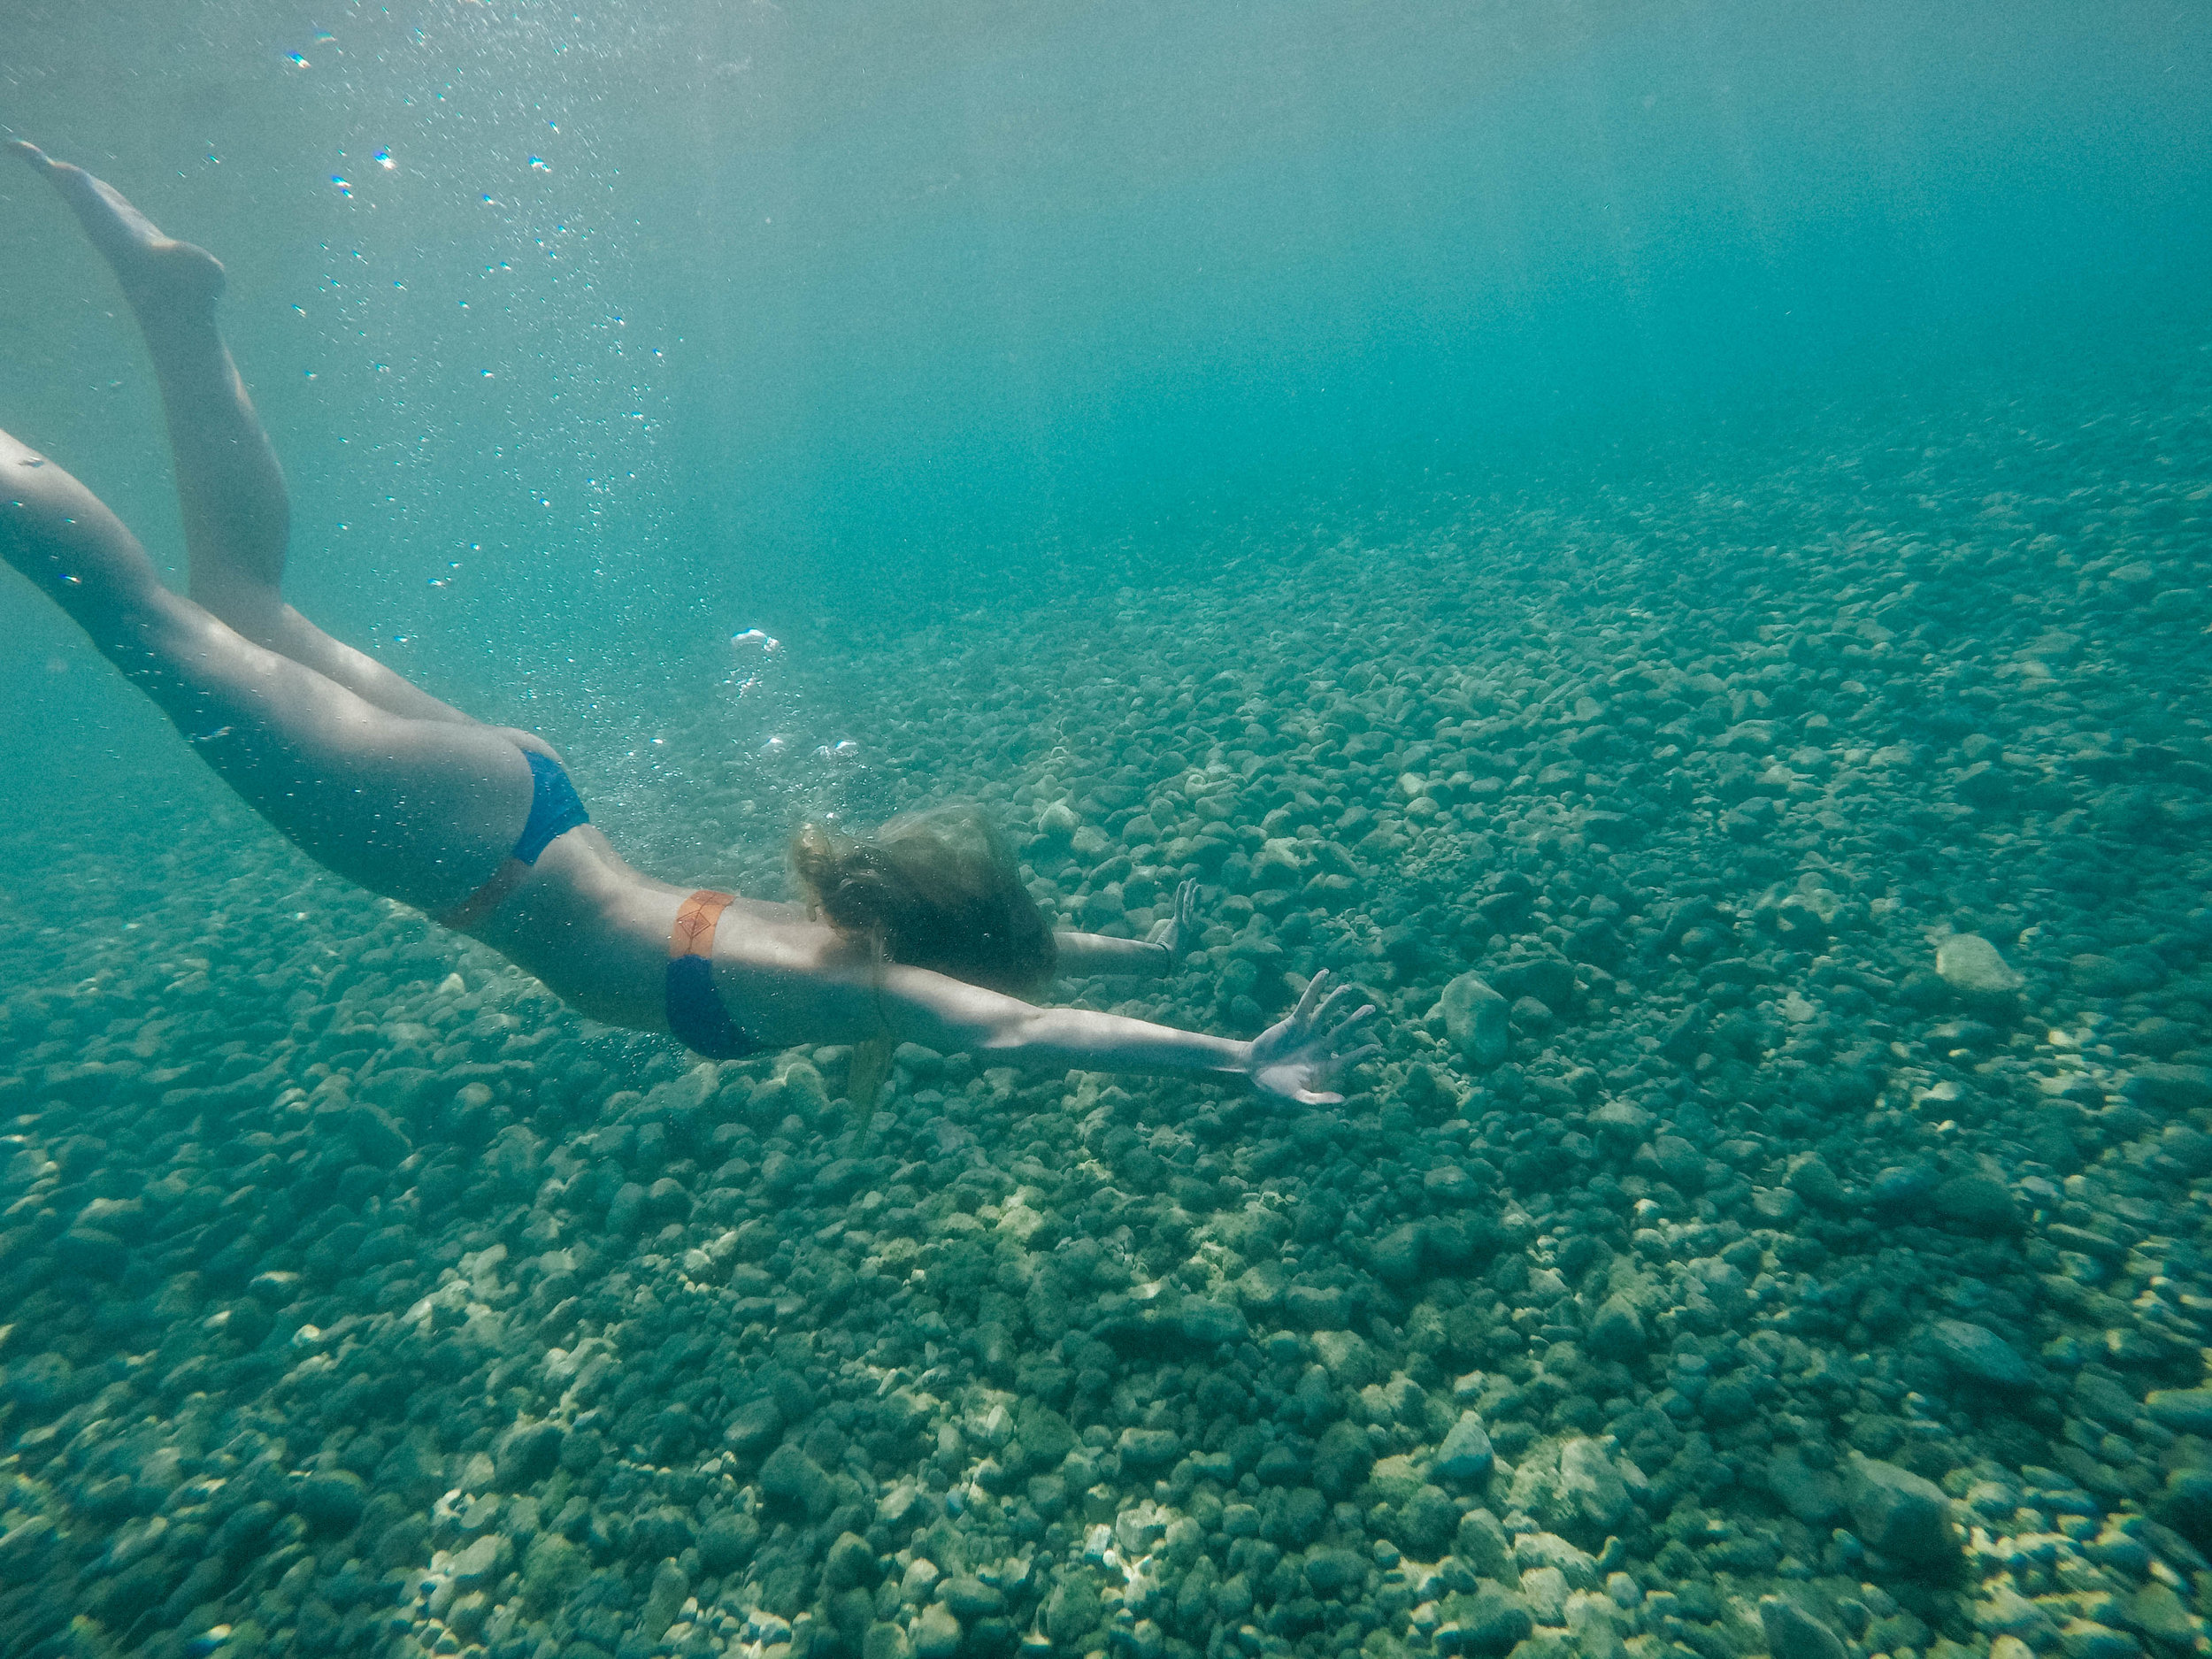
[[919, 935]]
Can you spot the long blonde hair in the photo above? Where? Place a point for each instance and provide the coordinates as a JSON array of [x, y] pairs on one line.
[[938, 889]]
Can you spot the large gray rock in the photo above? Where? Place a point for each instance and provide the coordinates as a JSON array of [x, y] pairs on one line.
[[513, 1160], [1815, 1497], [376, 1135], [968, 1598], [1071, 1612], [1465, 1453], [1812, 1180], [1427, 1522], [1341, 1459], [850, 1563], [331, 1502], [2184, 1411], [1978, 1353], [1532, 1550], [1348, 1358], [754, 1426], [790, 1474], [1482, 1544], [2181, 1087], [1678, 1164], [2086, 1639], [1900, 1514], [478, 1565], [1971, 967], [1329, 1570], [1449, 1184], [2003, 1612], [1619, 1120], [728, 1542], [626, 1210], [672, 1585], [1572, 1489], [1477, 1020], [1398, 1257], [1617, 1330], [1213, 1323], [1489, 1621], [526, 1453], [1322, 1307], [936, 1633], [1976, 1202], [1794, 1633], [1148, 1448]]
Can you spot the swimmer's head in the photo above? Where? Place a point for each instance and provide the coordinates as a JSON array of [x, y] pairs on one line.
[[938, 889]]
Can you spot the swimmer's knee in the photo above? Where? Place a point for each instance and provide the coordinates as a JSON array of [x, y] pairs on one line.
[[250, 610]]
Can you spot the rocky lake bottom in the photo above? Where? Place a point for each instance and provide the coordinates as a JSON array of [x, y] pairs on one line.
[[1778, 1223]]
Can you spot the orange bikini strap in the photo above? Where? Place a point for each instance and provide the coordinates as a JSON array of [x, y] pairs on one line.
[[692, 935]]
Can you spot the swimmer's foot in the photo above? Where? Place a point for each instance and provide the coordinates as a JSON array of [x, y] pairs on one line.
[[157, 271]]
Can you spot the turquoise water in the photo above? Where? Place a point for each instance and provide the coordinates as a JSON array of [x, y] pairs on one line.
[[1668, 543]]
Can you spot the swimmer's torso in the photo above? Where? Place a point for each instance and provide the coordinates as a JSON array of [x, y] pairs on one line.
[[596, 932]]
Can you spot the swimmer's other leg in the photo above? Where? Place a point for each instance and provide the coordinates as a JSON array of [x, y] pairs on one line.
[[419, 810], [237, 517], [230, 490]]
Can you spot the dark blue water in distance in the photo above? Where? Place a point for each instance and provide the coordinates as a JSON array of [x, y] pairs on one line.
[[1669, 541]]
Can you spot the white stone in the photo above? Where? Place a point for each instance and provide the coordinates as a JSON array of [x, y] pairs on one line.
[[1970, 965]]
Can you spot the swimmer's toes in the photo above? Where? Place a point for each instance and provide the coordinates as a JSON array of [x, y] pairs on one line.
[[152, 267]]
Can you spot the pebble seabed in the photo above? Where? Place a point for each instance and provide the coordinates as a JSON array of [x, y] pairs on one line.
[[1794, 1242]]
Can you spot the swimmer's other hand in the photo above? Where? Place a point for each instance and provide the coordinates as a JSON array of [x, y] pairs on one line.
[[530, 743], [1178, 935], [1298, 1058]]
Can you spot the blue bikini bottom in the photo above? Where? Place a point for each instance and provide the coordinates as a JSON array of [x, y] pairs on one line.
[[696, 1014], [555, 810]]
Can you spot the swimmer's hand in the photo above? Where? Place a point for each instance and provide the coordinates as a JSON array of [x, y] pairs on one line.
[[1178, 935], [530, 743], [1298, 1058]]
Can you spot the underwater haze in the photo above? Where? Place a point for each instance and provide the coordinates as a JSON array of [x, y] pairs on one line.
[[1668, 542]]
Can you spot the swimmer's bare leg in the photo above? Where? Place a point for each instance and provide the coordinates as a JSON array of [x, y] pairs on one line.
[[230, 490], [419, 810]]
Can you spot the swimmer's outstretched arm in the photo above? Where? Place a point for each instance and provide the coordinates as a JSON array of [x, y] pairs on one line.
[[1298, 1059]]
